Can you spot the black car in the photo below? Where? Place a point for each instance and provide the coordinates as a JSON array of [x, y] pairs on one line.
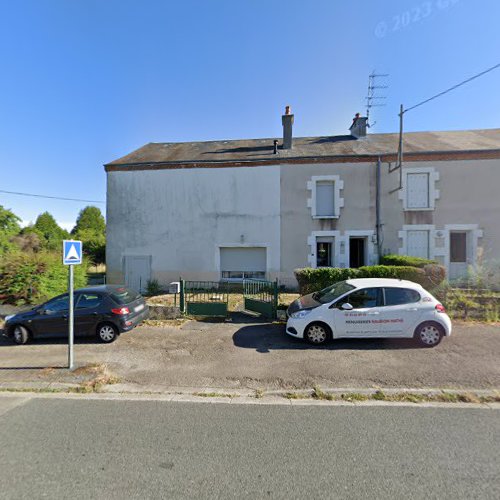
[[105, 311]]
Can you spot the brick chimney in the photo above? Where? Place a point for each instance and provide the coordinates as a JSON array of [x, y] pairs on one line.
[[359, 126], [287, 121]]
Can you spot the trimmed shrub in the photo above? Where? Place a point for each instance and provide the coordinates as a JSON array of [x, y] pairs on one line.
[[404, 260], [310, 280], [27, 278]]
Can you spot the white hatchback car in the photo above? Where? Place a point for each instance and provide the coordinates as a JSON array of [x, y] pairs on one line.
[[369, 308]]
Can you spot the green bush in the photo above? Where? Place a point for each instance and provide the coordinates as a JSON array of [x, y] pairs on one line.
[[311, 280], [404, 260], [153, 287], [27, 278]]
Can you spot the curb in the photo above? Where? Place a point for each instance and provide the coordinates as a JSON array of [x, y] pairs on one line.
[[303, 397]]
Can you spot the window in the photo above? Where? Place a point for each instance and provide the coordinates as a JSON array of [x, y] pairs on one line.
[[417, 190], [88, 301], [331, 293], [417, 243], [367, 297], [324, 252], [57, 305], [458, 246], [242, 275], [325, 199], [399, 296], [124, 295], [238, 263]]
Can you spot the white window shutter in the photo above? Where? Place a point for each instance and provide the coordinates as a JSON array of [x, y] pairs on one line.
[[418, 190], [417, 243], [325, 198]]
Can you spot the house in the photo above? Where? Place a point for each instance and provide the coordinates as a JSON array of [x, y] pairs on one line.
[[228, 210]]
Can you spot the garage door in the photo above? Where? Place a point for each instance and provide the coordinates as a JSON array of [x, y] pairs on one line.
[[137, 271], [238, 263]]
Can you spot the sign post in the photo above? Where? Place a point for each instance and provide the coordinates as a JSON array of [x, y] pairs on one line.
[[72, 255]]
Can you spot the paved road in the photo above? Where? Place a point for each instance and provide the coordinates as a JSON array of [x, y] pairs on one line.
[[66, 448]]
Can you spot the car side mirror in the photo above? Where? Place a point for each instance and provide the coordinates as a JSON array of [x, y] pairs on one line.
[[41, 311], [346, 306]]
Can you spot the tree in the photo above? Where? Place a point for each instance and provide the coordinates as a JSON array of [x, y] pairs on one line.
[[9, 227], [90, 228], [90, 218], [50, 232]]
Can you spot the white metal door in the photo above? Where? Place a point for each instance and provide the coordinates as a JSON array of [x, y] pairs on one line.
[[137, 271]]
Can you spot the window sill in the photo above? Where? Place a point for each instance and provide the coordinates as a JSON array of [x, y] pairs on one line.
[[325, 216]]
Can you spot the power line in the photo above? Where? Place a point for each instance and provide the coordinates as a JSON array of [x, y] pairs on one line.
[[51, 197], [454, 87], [402, 111]]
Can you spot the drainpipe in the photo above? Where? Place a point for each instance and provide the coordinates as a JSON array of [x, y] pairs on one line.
[[378, 225]]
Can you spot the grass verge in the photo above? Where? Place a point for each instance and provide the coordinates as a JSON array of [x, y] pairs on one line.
[[215, 395], [403, 397]]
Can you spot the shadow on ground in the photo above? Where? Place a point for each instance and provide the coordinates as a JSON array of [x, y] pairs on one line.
[[8, 342], [265, 338]]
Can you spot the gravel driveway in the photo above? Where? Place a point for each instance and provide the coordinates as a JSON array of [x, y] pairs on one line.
[[253, 355]]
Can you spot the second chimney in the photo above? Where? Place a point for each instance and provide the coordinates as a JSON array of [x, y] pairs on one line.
[[359, 125], [287, 121]]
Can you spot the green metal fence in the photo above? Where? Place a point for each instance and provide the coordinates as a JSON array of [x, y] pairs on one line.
[[204, 298], [261, 296]]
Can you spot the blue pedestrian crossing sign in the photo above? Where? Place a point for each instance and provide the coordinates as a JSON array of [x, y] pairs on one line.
[[72, 252]]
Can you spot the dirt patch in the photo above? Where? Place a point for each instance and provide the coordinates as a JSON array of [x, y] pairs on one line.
[[248, 355]]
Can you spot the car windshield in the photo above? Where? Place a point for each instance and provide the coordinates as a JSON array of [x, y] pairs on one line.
[[333, 292], [124, 296]]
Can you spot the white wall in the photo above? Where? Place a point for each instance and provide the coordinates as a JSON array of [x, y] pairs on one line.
[[181, 217]]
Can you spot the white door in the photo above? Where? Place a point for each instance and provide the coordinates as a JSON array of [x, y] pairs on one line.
[[362, 320], [417, 243], [137, 271], [459, 254]]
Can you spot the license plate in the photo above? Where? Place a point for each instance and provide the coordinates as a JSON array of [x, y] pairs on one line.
[[138, 308]]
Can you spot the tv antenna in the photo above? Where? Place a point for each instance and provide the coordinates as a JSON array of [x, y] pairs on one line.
[[376, 82]]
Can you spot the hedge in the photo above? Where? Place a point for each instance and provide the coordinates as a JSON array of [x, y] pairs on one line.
[[311, 280], [27, 278], [404, 260]]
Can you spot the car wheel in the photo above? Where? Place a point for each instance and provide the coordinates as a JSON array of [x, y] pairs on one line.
[[107, 333], [317, 334], [429, 334], [20, 334]]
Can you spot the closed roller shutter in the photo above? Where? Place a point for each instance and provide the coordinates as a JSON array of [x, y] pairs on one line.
[[238, 263], [325, 199]]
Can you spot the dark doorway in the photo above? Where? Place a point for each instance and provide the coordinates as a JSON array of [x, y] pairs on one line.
[[357, 252]]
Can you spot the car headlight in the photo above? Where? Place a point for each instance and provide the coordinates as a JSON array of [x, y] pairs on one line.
[[300, 314], [10, 316]]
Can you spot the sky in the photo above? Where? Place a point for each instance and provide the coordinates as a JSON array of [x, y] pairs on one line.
[[84, 82]]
